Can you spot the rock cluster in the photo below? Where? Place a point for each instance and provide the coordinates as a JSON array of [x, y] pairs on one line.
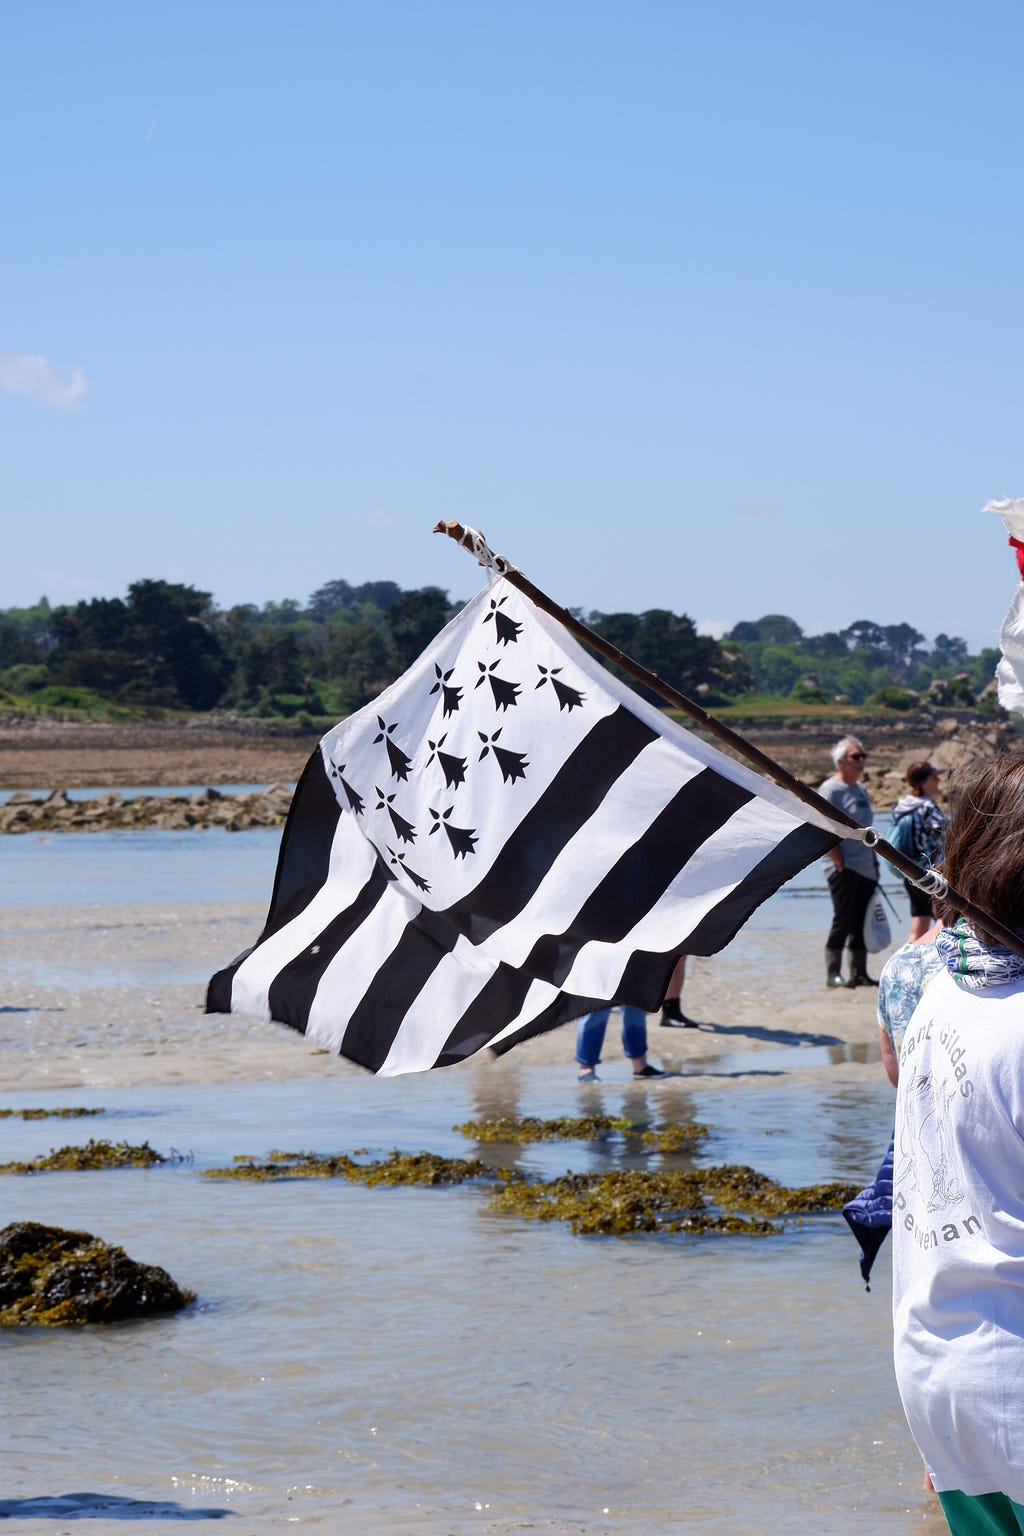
[[950, 745], [57, 812], [54, 1278], [948, 740]]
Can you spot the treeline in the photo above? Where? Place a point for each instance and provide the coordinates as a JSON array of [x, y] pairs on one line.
[[866, 663], [165, 646]]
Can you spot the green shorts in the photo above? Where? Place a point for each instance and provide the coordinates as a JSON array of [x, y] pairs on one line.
[[982, 1514]]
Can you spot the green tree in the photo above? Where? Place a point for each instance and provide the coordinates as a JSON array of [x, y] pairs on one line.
[[173, 627], [949, 651], [770, 629], [778, 668], [414, 619], [340, 597], [903, 643], [159, 647], [360, 662], [829, 646]]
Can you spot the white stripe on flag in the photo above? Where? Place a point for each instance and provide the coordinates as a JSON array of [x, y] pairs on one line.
[[456, 983], [632, 804], [540, 997], [348, 977], [717, 867], [351, 864]]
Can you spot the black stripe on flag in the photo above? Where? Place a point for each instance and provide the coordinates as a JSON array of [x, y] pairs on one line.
[[801, 847], [639, 879], [476, 1027], [377, 1017], [302, 868], [305, 857], [502, 998], [295, 986], [572, 797], [647, 973]]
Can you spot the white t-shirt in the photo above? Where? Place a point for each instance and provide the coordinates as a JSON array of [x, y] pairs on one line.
[[958, 1235]]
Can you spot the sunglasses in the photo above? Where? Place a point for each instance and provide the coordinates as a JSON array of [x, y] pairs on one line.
[[857, 757]]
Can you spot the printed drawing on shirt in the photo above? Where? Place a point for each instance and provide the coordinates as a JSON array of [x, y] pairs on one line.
[[926, 1143], [929, 1193]]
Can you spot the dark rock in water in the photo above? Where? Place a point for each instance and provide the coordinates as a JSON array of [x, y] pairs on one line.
[[54, 1279]]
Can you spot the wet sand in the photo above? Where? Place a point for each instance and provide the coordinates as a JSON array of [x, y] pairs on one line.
[[54, 754], [98, 996]]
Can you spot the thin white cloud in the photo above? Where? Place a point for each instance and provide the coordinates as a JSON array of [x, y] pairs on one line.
[[22, 373]]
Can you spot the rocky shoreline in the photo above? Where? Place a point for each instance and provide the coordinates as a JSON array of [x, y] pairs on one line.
[[57, 812], [41, 760]]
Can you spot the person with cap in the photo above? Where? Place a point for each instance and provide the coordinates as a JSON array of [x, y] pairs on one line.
[[850, 868], [921, 838]]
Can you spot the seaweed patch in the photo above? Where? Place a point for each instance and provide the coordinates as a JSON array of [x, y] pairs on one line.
[[95, 1154], [731, 1198], [527, 1128], [396, 1168], [48, 1114], [726, 1199]]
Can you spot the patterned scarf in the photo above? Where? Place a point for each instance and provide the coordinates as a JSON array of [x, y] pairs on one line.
[[974, 964]]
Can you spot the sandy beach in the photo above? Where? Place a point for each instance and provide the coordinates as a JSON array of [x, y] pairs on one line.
[[762, 996], [55, 754]]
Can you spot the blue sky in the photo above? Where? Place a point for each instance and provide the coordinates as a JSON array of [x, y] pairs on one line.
[[713, 307]]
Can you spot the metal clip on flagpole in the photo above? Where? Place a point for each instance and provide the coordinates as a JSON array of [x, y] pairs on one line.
[[930, 881]]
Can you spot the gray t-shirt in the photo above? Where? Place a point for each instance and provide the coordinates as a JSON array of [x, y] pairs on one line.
[[853, 799]]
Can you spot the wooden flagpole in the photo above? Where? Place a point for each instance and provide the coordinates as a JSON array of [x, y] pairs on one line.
[[472, 540]]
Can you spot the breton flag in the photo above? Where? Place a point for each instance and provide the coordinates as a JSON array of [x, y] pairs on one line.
[[1010, 670], [504, 839]]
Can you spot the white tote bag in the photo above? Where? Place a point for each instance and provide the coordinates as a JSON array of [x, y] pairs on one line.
[[877, 934]]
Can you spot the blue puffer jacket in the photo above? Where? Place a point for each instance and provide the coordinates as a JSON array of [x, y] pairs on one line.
[[870, 1214]]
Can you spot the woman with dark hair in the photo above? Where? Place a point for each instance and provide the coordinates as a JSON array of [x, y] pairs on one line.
[[958, 1177], [926, 828]]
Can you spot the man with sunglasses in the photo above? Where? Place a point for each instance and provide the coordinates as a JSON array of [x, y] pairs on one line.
[[851, 869]]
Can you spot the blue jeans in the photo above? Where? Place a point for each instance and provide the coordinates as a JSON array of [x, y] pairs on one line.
[[590, 1034]]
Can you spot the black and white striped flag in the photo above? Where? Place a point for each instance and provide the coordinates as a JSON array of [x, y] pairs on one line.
[[503, 840]]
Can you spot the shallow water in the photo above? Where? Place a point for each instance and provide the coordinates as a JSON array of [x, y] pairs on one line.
[[147, 865], [396, 1360], [399, 1353]]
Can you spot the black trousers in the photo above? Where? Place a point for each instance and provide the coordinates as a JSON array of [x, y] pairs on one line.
[[920, 904], [850, 896]]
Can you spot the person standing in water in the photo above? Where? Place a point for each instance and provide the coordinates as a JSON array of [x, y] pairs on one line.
[[851, 868]]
